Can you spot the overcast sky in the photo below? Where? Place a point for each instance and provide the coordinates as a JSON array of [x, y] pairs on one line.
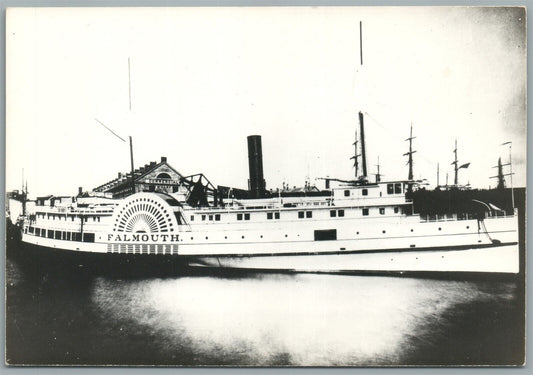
[[202, 79]]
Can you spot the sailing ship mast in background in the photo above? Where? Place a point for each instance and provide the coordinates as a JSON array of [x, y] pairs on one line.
[[501, 175], [455, 163]]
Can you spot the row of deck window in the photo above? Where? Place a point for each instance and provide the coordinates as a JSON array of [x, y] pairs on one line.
[[394, 188], [364, 192], [61, 235], [66, 217], [335, 213], [215, 217], [301, 214]]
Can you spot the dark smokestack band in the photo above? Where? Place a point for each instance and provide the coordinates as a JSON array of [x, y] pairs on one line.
[[255, 164]]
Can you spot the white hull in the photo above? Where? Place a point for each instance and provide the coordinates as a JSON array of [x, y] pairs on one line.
[[497, 259], [314, 242], [423, 250]]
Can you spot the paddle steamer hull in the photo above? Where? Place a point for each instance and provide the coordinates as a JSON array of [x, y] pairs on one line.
[[405, 245]]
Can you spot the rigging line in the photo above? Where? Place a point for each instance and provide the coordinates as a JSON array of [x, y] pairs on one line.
[[393, 130], [129, 82], [115, 134]]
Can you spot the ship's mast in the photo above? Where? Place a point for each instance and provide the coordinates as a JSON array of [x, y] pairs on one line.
[[355, 156], [361, 41], [24, 194], [119, 137], [410, 158], [456, 166], [131, 142], [363, 150], [456, 178], [364, 176], [378, 175]]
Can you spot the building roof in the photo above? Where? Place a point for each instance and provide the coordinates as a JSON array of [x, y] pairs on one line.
[[124, 179]]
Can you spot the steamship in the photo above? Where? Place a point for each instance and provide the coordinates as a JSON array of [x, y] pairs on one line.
[[155, 215]]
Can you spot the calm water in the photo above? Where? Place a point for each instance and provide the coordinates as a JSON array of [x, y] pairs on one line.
[[74, 317]]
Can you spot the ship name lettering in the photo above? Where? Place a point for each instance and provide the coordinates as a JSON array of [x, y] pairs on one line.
[[127, 237]]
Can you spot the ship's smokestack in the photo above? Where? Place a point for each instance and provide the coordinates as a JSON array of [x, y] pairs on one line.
[[256, 183]]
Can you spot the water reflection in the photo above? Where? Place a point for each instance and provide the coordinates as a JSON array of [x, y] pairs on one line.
[[292, 319]]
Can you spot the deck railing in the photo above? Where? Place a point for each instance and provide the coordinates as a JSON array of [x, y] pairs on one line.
[[427, 218]]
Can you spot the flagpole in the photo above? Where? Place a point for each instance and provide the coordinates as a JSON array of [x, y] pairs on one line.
[[511, 169], [132, 168]]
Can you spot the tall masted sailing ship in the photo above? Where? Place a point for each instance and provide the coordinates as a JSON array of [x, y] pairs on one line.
[[155, 214]]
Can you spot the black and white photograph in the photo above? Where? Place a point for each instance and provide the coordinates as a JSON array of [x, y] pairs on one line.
[[283, 186]]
